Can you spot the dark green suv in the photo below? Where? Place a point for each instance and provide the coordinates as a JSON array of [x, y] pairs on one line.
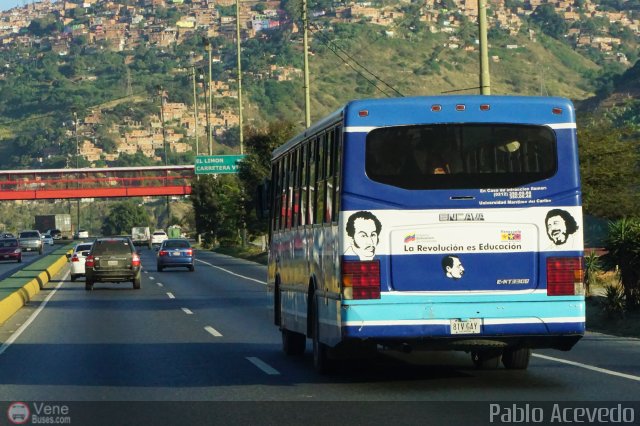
[[112, 259]]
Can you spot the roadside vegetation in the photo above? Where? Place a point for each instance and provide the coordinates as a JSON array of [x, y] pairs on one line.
[[613, 281]]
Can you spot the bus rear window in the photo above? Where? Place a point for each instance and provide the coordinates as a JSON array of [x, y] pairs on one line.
[[457, 156]]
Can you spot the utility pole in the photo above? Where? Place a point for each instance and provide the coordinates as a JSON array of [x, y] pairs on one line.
[[195, 108], [485, 82], [75, 123], [305, 37], [164, 143], [239, 77], [207, 47]]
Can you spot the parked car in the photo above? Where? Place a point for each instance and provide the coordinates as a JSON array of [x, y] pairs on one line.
[[78, 259], [112, 259], [47, 239], [10, 249], [175, 252], [7, 235], [30, 240], [158, 237]]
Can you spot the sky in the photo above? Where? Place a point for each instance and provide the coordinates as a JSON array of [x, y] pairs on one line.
[[9, 4]]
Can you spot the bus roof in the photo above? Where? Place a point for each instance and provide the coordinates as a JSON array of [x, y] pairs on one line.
[[366, 114]]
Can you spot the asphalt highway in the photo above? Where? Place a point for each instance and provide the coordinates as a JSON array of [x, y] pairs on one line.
[[207, 335]]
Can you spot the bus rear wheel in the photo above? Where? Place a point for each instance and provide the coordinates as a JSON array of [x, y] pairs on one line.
[[488, 359], [516, 359], [293, 343]]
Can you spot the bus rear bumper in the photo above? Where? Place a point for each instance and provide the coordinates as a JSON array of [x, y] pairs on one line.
[[537, 324]]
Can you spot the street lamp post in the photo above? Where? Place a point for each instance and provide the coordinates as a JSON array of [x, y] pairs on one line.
[[208, 47], [195, 109], [75, 123]]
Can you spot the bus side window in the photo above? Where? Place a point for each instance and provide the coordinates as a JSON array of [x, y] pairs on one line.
[[313, 155], [277, 195], [304, 209], [283, 192], [295, 205], [329, 178], [337, 169], [320, 178]]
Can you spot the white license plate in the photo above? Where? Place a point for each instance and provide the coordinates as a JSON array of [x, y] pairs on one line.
[[112, 262], [176, 253], [470, 326]]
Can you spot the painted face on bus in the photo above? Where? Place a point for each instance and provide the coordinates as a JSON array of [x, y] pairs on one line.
[[365, 239], [363, 228], [557, 230], [453, 267]]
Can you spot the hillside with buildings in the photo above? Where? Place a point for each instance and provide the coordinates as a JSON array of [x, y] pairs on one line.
[[122, 80]]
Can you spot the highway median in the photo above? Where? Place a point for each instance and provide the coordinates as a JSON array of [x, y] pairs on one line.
[[20, 288]]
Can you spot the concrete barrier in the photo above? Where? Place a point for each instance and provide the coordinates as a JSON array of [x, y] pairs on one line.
[[20, 288]]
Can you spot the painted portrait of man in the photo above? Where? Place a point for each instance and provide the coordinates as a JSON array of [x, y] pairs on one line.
[[363, 229], [560, 226], [452, 267]]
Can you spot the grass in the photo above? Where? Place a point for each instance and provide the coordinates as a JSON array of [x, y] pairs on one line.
[[597, 319], [253, 253]]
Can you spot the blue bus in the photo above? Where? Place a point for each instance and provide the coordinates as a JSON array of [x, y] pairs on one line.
[[430, 223]]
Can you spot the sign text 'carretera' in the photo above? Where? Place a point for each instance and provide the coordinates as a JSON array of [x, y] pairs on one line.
[[216, 164]]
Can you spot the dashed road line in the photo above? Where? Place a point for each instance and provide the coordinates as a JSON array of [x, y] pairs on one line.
[[171, 296], [187, 311], [263, 366], [589, 367], [232, 273], [213, 331], [160, 285]]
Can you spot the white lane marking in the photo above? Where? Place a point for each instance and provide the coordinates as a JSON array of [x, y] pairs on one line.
[[160, 285], [171, 296], [33, 316], [213, 331], [151, 278], [589, 367], [187, 311], [263, 366], [232, 273]]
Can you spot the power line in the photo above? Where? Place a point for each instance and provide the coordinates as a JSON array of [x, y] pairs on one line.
[[333, 47]]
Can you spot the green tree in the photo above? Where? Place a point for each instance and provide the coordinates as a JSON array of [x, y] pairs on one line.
[[256, 167], [124, 216], [609, 161], [217, 208], [623, 254], [549, 21]]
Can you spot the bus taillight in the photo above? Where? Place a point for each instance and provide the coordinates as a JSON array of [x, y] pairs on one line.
[[361, 279], [565, 276]]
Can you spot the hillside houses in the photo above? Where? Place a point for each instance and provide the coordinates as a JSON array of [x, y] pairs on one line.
[[124, 27]]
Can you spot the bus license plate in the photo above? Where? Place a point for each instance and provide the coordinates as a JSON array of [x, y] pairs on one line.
[[470, 326]]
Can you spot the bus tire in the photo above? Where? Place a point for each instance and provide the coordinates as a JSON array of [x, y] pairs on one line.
[[321, 361], [293, 344], [516, 358], [277, 313], [488, 359]]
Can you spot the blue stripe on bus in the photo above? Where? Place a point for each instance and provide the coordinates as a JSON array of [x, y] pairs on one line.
[[438, 309]]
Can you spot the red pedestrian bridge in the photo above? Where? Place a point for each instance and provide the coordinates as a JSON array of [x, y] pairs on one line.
[[95, 182]]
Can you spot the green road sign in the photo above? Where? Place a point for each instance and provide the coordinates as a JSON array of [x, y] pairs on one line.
[[216, 164]]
